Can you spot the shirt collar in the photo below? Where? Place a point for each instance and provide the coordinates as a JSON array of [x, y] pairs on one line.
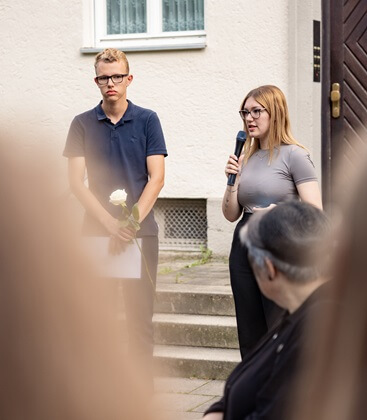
[[129, 113]]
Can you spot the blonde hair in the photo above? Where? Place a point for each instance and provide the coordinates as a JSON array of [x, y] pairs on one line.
[[273, 100], [110, 55]]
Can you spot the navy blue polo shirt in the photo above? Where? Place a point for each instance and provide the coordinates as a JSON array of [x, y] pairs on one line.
[[115, 156]]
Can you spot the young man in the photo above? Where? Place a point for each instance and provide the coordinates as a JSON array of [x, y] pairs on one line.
[[121, 146]]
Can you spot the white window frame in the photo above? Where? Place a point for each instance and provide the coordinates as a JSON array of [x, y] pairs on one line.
[[95, 36]]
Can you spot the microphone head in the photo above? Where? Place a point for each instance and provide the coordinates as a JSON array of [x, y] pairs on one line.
[[241, 136]]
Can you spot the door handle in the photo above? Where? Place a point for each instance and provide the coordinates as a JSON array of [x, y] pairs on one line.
[[335, 100]]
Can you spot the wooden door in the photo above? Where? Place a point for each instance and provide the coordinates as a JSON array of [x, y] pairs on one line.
[[344, 61]]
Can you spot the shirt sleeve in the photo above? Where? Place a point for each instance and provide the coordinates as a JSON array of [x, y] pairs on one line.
[[155, 139], [74, 146], [301, 166]]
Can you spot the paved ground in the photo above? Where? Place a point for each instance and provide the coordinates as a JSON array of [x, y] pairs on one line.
[[194, 269], [182, 398]]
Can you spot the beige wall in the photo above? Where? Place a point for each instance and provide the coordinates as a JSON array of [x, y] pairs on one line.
[[45, 81], [304, 95]]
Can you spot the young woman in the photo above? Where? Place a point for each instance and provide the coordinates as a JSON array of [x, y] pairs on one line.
[[273, 168]]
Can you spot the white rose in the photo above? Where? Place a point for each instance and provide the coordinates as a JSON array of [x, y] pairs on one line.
[[118, 197]]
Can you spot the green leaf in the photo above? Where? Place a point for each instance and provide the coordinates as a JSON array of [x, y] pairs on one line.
[[124, 223], [125, 212], [135, 225], [135, 212]]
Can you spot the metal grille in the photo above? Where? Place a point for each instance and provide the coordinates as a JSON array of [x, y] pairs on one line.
[[182, 224]]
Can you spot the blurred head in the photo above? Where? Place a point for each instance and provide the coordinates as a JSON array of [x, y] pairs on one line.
[[333, 381], [61, 347], [286, 241], [272, 99]]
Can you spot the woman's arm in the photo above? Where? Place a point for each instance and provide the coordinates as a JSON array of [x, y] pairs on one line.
[[310, 193], [231, 208]]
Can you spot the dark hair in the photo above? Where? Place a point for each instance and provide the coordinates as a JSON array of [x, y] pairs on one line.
[[291, 235]]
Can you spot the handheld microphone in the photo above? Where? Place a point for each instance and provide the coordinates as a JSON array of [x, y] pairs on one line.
[[240, 141]]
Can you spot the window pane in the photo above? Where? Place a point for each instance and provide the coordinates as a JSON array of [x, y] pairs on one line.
[[126, 16], [183, 15]]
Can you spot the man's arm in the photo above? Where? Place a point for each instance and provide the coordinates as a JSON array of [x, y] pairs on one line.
[[155, 165], [89, 201]]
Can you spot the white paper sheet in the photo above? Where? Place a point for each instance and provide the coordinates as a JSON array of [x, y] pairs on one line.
[[125, 265]]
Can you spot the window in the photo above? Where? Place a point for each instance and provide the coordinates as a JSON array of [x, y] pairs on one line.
[[134, 25]]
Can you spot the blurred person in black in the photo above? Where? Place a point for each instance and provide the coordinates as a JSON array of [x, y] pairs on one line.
[[283, 244], [333, 381]]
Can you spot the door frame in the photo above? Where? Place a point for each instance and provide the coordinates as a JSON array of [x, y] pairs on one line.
[[332, 72]]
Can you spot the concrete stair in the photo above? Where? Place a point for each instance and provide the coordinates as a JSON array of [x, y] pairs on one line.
[[195, 331], [194, 299]]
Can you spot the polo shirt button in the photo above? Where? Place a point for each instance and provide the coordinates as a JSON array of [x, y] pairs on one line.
[[280, 348], [275, 336]]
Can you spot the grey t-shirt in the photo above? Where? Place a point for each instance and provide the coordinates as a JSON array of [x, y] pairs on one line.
[[262, 184]]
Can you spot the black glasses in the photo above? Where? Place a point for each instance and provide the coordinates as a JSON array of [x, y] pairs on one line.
[[255, 113], [116, 78]]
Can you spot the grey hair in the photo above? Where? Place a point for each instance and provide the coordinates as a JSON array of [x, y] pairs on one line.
[[292, 236], [292, 272]]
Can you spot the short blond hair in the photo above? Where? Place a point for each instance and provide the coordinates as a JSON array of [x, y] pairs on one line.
[[110, 55]]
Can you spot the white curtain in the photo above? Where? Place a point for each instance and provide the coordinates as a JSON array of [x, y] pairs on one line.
[[183, 15], [126, 16]]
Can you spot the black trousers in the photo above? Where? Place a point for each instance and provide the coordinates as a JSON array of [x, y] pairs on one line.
[[138, 295], [255, 313]]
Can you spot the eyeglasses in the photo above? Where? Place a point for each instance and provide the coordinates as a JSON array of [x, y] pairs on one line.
[[255, 113], [116, 78]]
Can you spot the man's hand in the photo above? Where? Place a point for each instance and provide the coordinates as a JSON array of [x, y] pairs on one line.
[[213, 416], [119, 236], [112, 225], [116, 246], [120, 239]]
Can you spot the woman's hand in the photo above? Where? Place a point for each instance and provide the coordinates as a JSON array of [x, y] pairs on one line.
[[231, 208], [233, 165], [257, 209]]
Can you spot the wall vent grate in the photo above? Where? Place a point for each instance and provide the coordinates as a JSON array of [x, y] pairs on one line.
[[182, 224]]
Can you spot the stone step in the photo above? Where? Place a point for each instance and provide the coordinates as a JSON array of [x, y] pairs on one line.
[[194, 299], [198, 362], [195, 330]]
